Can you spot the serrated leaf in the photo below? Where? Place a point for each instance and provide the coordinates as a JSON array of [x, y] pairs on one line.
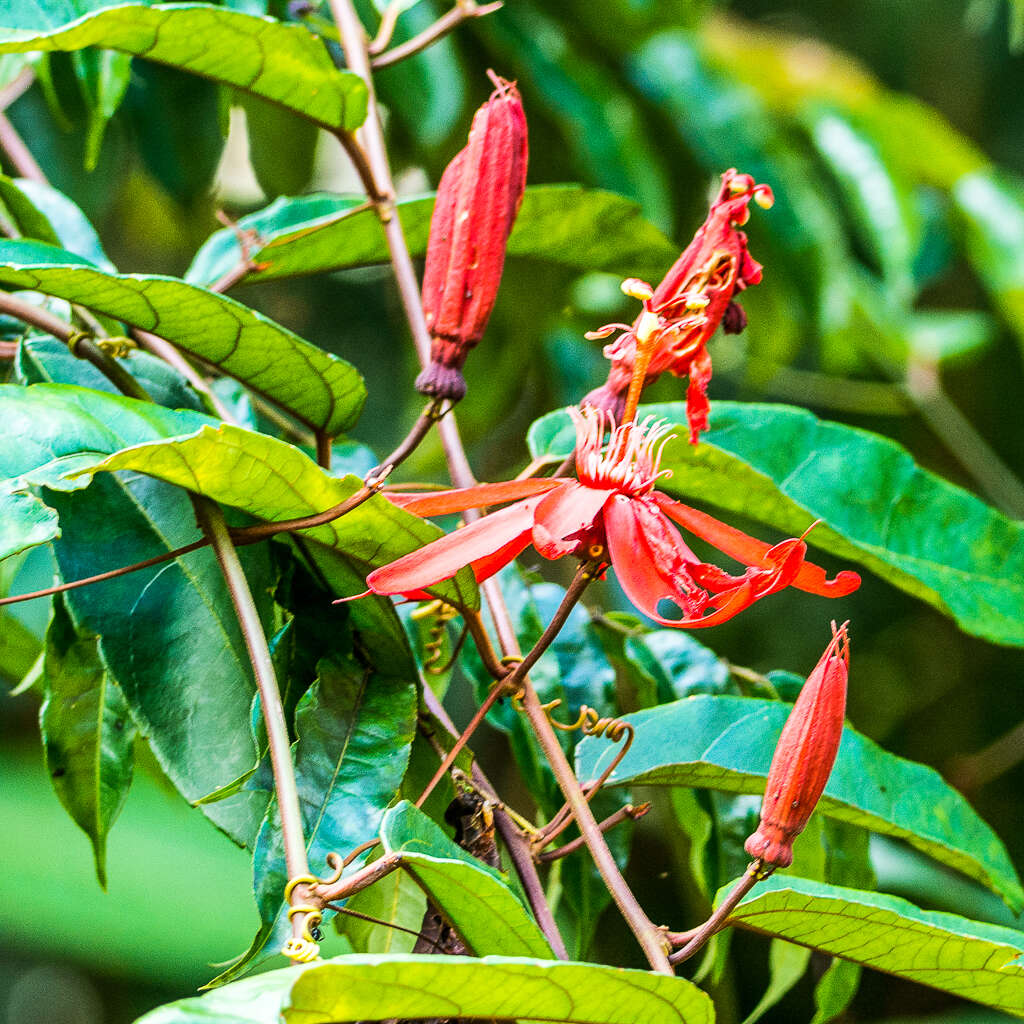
[[88, 733], [358, 988], [786, 468], [272, 480], [471, 895], [976, 961], [586, 229], [727, 743], [283, 63], [319, 389], [354, 728]]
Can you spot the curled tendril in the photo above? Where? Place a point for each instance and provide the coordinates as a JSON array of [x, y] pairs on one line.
[[442, 613], [303, 949]]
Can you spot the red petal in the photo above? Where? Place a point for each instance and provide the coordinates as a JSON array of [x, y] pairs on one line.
[[441, 503], [442, 558], [744, 548], [564, 514], [636, 566]]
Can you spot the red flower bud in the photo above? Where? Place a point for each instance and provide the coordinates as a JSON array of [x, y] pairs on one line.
[[477, 202], [804, 756]]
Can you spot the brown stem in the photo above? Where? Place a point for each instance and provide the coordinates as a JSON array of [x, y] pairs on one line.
[[448, 21], [8, 349], [83, 346], [516, 843], [718, 920], [18, 153], [323, 450], [386, 29], [420, 429], [13, 91], [629, 811], [211, 520], [351, 884]]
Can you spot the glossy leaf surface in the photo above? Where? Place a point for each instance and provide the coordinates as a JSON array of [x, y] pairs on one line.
[[282, 63], [727, 743], [321, 390]]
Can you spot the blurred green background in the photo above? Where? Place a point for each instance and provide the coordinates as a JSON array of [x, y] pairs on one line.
[[893, 135]]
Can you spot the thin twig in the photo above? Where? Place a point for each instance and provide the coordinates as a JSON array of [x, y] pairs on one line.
[[323, 449], [211, 520], [462, 11], [13, 91], [718, 920], [430, 415], [18, 153], [80, 344], [386, 29], [629, 811]]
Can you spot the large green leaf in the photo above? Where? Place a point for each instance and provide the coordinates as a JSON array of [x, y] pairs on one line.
[[471, 895], [357, 988], [88, 734], [273, 480], [366, 988], [282, 63], [52, 429], [727, 743], [977, 961], [585, 229], [168, 666], [354, 728], [786, 468], [319, 389]]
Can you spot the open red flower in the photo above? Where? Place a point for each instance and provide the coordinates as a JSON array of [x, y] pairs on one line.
[[611, 515], [681, 314]]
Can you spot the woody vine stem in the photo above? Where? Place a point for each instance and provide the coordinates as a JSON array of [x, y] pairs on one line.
[[354, 44]]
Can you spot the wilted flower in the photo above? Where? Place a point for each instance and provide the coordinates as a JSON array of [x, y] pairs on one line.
[[611, 515], [804, 756], [681, 314], [477, 202]]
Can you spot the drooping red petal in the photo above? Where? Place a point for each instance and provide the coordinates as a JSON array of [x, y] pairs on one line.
[[697, 405], [442, 503], [442, 558], [744, 548], [635, 565], [562, 515]]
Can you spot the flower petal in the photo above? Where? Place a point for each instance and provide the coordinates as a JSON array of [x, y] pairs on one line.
[[636, 566], [441, 503], [444, 557], [562, 515], [744, 548]]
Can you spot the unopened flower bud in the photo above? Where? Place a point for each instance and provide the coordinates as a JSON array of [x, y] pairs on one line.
[[477, 202], [804, 756]]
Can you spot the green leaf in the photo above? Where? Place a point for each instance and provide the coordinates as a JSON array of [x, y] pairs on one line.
[[354, 728], [787, 964], [379, 988], [976, 961], [88, 733], [470, 894], [72, 230], [585, 229], [835, 989], [727, 743], [272, 480], [282, 63], [24, 216], [319, 389], [786, 468], [52, 429], [991, 207], [396, 900]]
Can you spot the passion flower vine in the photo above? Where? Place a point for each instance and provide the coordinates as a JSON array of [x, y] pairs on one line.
[[611, 515], [680, 315], [477, 201]]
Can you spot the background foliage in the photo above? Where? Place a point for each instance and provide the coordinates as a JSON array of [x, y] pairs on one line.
[[893, 135]]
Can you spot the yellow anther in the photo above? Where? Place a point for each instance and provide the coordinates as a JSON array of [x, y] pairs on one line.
[[694, 300], [764, 198], [737, 185], [637, 289]]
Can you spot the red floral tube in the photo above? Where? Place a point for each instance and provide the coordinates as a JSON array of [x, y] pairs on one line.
[[477, 201]]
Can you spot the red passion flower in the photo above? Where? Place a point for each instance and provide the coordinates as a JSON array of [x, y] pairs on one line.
[[681, 314], [611, 515]]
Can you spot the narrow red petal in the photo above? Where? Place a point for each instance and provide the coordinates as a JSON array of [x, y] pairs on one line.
[[744, 548], [564, 514], [442, 503], [442, 559]]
